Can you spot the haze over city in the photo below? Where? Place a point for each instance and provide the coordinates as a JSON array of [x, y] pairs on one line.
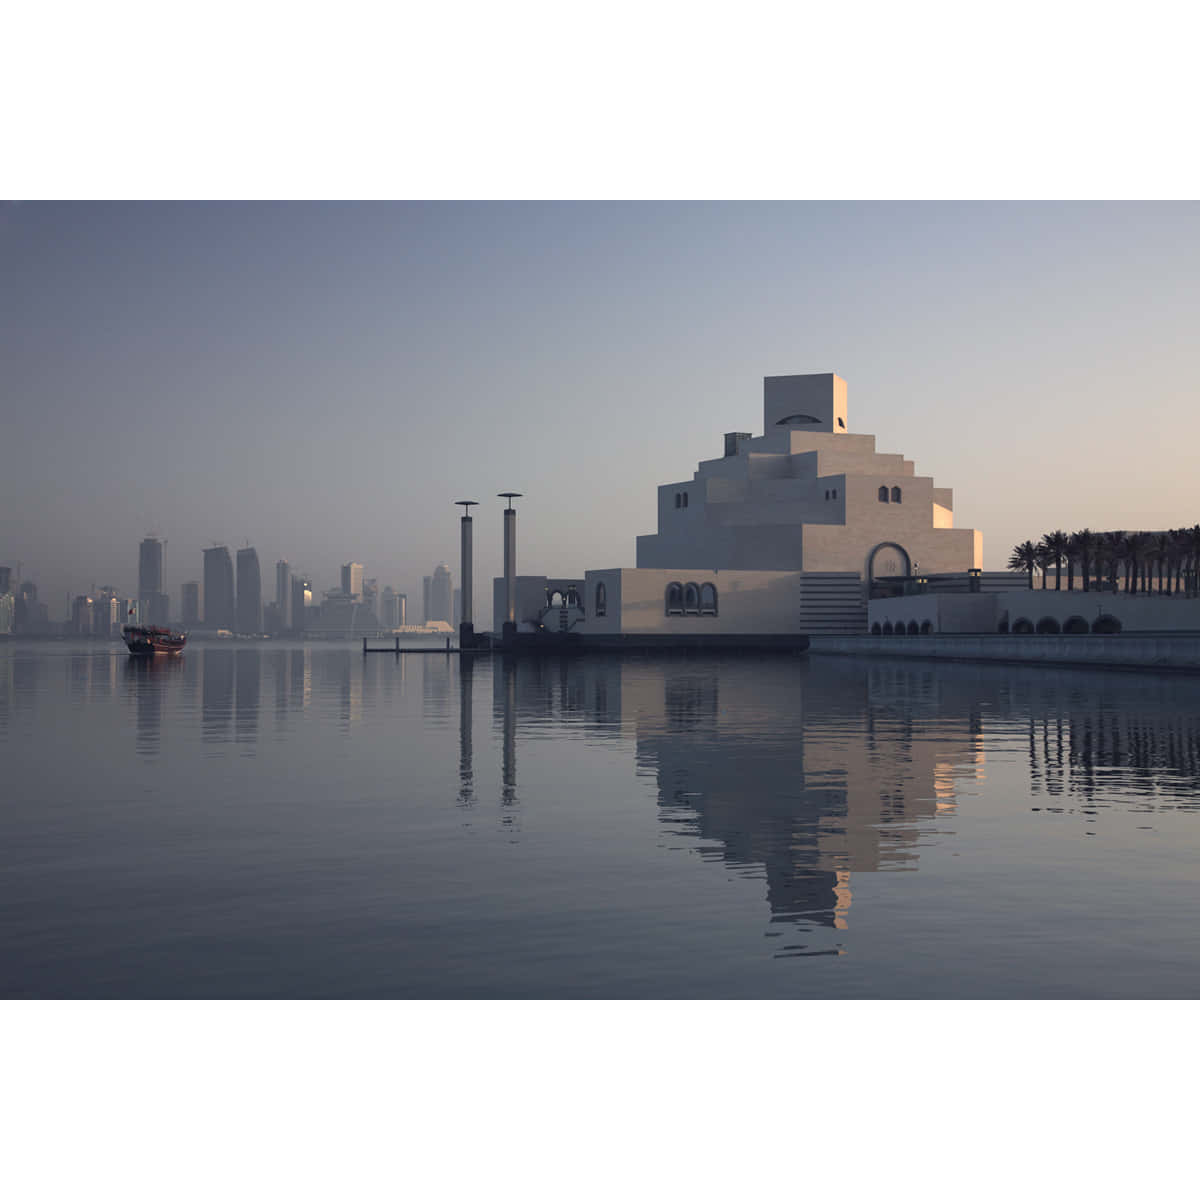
[[322, 381]]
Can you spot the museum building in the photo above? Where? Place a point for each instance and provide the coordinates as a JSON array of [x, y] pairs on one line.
[[780, 536]]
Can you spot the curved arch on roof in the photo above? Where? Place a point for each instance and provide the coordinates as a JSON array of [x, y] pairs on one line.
[[798, 419]]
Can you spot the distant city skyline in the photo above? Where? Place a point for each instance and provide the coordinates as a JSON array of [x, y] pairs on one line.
[[206, 372]]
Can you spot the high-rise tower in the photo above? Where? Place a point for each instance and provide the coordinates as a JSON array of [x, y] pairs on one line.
[[352, 579], [190, 614], [218, 588], [152, 600], [441, 602], [249, 591], [283, 592]]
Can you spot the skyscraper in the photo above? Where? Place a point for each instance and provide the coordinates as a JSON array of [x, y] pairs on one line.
[[82, 615], [389, 610], [190, 608], [249, 591], [427, 605], [283, 592], [441, 594], [352, 579], [401, 608], [301, 594], [218, 588], [152, 600]]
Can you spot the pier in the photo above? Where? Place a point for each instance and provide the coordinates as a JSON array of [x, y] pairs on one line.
[[396, 648]]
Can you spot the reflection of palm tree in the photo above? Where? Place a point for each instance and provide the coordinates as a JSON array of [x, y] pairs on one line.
[[1024, 558], [1057, 543]]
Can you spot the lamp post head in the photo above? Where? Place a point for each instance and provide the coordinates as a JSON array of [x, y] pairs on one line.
[[509, 496], [466, 506]]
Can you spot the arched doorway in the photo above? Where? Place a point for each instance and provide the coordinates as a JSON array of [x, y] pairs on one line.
[[888, 559]]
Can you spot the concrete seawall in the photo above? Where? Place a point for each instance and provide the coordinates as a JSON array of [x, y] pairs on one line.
[[1147, 651]]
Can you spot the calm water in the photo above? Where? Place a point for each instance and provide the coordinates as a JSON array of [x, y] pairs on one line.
[[301, 821]]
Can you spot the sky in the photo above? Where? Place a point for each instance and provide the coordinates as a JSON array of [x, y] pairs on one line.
[[323, 380]]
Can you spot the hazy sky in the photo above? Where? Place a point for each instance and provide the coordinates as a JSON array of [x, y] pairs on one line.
[[324, 380]]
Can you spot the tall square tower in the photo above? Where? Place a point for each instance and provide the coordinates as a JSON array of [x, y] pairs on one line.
[[804, 403]]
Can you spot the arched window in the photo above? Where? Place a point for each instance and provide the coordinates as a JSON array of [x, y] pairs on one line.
[[601, 600], [835, 493], [557, 599], [926, 626], [674, 599], [691, 598], [883, 495], [708, 600], [826, 493], [887, 627], [913, 627], [876, 629], [573, 597], [685, 499], [895, 495], [678, 499]]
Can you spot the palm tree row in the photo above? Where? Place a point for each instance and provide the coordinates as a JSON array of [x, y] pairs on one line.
[[1104, 557]]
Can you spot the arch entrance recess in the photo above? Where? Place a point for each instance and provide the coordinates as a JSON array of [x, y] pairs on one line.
[[888, 559]]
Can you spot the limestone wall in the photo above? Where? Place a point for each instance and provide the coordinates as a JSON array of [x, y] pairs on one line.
[[1180, 652]]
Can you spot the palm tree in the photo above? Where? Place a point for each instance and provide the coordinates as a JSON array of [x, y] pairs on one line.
[[1176, 559], [1024, 558], [1114, 551], [1137, 545], [1182, 550], [1056, 544], [1162, 551], [1085, 546], [1044, 559], [1192, 542]]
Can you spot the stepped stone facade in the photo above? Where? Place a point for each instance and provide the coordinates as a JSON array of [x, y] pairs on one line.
[[780, 536]]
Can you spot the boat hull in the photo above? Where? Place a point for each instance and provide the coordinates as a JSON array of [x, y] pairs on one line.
[[145, 642]]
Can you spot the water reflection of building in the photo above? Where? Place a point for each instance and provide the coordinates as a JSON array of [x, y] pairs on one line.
[[216, 694], [247, 672], [808, 773], [1087, 740]]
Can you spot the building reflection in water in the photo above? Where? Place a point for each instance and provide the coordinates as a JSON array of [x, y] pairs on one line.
[[466, 768], [216, 694], [765, 771], [1088, 745], [808, 782], [247, 673]]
